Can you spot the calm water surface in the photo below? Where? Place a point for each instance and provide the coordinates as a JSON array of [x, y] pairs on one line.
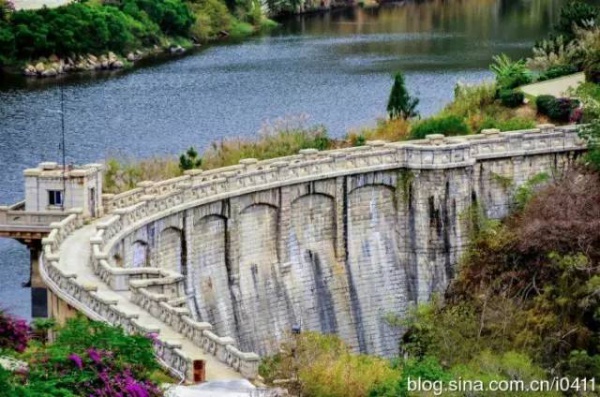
[[335, 68]]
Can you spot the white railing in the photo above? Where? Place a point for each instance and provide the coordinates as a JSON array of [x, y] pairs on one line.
[[150, 201], [86, 298]]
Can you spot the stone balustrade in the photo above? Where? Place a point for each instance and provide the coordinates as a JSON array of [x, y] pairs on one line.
[[434, 152], [94, 305], [150, 201]]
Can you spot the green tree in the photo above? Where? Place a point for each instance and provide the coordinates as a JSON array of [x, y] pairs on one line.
[[189, 160], [575, 14], [401, 104], [591, 134]]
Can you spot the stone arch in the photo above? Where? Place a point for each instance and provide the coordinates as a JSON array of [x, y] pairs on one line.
[[261, 300], [313, 285], [172, 250], [210, 273], [369, 185], [140, 254], [376, 276]]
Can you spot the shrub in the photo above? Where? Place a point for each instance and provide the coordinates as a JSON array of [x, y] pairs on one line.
[[557, 71], [544, 103], [512, 124], [575, 14], [560, 110], [400, 103], [511, 98], [591, 67], [447, 125], [509, 74], [14, 333], [471, 98], [324, 366], [591, 134], [189, 160]]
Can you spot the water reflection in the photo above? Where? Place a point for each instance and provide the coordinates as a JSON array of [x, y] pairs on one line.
[[334, 67]]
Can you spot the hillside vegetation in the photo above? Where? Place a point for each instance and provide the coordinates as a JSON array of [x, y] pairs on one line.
[[97, 27]]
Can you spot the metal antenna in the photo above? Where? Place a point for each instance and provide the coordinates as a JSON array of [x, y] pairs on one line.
[[64, 161]]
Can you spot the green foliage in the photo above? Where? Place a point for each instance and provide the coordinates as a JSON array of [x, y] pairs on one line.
[[129, 351], [557, 109], [190, 160], [526, 191], [241, 29], [427, 368], [447, 125], [591, 134], [544, 103], [400, 103], [575, 14], [512, 124], [557, 71], [212, 17], [511, 98], [359, 140], [324, 366], [471, 99], [509, 74]]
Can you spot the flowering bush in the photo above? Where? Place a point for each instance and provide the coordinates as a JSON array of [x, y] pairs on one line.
[[14, 333]]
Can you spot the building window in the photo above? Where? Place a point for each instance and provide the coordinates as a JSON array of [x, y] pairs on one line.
[[55, 197]]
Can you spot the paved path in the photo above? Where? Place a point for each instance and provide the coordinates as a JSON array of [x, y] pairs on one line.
[[557, 87], [34, 4], [74, 257]]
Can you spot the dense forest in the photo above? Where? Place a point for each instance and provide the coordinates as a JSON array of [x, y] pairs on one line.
[[96, 27]]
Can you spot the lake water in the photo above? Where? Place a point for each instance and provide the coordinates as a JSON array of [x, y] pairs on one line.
[[334, 68]]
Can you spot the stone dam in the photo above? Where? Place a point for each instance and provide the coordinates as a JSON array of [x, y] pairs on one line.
[[230, 260]]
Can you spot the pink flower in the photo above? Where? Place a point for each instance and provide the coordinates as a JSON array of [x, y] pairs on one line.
[[77, 360]]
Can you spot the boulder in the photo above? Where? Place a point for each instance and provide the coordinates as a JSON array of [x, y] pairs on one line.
[[40, 67], [53, 58], [177, 49], [92, 58], [117, 65], [29, 70], [130, 57], [111, 55], [139, 52], [104, 64], [49, 72], [67, 68]]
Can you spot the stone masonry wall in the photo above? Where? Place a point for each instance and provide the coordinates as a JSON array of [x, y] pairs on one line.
[[338, 254]]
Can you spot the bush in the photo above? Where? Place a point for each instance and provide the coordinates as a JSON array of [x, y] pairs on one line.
[[573, 15], [400, 103], [560, 110], [557, 71], [471, 98], [324, 366], [447, 125], [511, 98], [14, 333], [544, 103], [509, 74], [512, 124]]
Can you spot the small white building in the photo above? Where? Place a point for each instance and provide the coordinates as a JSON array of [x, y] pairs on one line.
[[49, 188]]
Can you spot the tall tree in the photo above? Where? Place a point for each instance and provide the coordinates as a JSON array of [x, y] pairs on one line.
[[401, 104]]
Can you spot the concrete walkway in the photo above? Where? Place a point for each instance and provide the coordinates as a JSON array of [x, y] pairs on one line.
[[556, 87], [74, 257], [35, 4]]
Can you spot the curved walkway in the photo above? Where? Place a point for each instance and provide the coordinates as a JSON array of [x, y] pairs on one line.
[[558, 87], [35, 4], [75, 252]]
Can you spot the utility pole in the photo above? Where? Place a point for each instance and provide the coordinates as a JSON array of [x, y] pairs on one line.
[[64, 162]]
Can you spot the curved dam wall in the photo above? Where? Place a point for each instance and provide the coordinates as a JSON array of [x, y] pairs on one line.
[[331, 241]]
